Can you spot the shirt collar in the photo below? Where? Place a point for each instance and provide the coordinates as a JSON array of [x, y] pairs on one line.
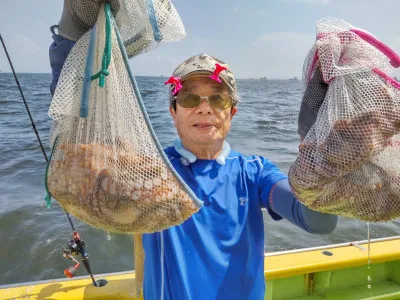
[[226, 149]]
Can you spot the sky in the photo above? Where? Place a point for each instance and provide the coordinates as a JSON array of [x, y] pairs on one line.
[[256, 38]]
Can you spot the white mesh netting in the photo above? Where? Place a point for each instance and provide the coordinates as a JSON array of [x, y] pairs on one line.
[[108, 169], [349, 162], [144, 24]]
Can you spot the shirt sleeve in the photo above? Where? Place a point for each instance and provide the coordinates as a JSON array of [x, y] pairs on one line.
[[269, 176], [282, 202]]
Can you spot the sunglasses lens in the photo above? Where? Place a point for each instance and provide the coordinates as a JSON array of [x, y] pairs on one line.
[[220, 101], [189, 100], [217, 101]]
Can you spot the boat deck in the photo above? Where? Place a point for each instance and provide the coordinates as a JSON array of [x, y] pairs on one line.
[[330, 273], [335, 273]]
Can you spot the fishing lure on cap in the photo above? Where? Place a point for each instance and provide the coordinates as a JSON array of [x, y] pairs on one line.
[[217, 71], [176, 82]]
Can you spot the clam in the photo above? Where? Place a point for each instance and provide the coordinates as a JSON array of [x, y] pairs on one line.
[[118, 191]]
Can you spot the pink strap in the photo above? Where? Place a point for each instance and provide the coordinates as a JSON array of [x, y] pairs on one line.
[[394, 58], [387, 78]]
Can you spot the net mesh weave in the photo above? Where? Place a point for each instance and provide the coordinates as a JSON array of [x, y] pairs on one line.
[[108, 169], [144, 24], [349, 162]]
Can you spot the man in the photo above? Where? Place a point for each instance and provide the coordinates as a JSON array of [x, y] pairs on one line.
[[218, 253], [78, 17]]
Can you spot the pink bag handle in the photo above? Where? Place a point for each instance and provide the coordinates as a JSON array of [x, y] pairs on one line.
[[394, 58], [387, 78]]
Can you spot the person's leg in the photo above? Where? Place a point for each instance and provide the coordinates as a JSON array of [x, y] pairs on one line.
[[58, 53]]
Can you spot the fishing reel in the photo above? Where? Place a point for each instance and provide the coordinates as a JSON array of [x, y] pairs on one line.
[[71, 271], [75, 247]]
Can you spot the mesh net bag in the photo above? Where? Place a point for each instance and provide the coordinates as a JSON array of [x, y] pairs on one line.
[[107, 167], [144, 24], [349, 161]]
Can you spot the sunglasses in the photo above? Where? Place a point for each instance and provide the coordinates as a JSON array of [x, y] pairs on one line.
[[216, 101]]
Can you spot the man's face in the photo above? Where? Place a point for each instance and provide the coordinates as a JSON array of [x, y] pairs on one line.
[[202, 125]]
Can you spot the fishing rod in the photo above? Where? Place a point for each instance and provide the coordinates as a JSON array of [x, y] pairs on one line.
[[76, 245]]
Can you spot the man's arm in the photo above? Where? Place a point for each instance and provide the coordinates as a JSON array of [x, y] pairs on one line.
[[58, 53], [284, 203], [79, 16], [281, 199]]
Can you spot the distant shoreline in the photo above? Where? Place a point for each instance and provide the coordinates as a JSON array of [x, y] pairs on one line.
[[164, 77]]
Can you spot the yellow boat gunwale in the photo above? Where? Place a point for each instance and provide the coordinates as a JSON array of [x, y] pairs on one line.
[[284, 264], [313, 260]]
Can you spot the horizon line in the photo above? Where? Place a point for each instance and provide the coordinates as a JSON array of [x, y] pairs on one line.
[[162, 76]]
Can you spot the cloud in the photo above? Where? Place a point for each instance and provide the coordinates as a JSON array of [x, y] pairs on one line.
[[394, 44], [26, 44], [324, 2], [155, 63], [198, 41], [27, 54], [262, 13], [284, 37], [280, 54]]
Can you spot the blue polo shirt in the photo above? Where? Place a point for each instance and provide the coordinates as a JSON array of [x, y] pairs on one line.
[[218, 253]]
